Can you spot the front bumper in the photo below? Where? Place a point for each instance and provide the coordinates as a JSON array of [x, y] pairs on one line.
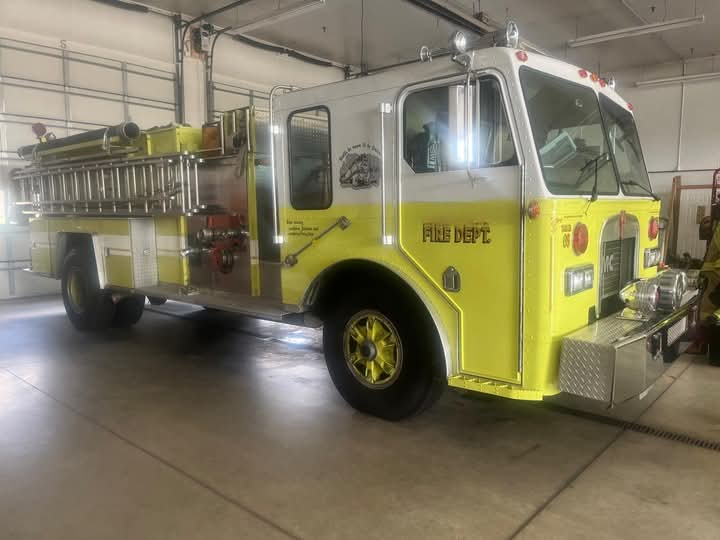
[[615, 359]]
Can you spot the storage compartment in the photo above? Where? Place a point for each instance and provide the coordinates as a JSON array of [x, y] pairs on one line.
[[171, 139], [615, 359]]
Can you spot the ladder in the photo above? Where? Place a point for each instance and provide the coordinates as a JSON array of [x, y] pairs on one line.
[[166, 184]]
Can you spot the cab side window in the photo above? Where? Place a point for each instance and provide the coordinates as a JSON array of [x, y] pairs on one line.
[[310, 164], [434, 121]]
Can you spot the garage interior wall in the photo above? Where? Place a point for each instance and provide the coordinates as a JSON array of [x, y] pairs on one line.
[[678, 133], [84, 65], [239, 82], [678, 125]]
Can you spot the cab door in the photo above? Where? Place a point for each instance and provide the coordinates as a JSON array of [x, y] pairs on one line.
[[460, 213]]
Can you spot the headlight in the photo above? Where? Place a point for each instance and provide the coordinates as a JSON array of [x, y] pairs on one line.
[[458, 43], [672, 284], [578, 279], [652, 257]]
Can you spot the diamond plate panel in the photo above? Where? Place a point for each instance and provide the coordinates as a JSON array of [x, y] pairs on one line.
[[606, 331], [587, 358], [586, 369], [144, 252]]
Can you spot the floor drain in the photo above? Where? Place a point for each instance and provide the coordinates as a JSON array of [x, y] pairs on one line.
[[672, 436], [636, 427]]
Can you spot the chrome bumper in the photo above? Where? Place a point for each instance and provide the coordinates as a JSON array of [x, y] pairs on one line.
[[615, 359]]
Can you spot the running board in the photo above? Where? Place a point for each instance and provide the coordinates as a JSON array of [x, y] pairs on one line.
[[494, 387], [252, 306]]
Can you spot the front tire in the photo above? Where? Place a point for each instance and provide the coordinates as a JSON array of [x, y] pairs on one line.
[[129, 310], [88, 307], [382, 354]]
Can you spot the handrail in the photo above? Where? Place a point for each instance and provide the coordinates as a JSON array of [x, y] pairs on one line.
[[292, 258], [385, 108], [277, 239]]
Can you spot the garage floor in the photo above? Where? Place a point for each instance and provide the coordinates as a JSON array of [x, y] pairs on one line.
[[200, 425]]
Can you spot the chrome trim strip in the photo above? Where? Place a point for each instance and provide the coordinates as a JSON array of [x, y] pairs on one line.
[[385, 108], [273, 174]]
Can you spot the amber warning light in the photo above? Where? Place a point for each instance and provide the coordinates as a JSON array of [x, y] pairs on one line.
[[653, 228], [580, 238], [533, 210]]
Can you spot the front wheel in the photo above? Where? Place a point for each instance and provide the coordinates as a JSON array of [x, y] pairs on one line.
[[87, 306], [382, 354], [129, 310]]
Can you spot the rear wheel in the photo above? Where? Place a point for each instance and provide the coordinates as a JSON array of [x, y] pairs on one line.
[[382, 354], [87, 306], [129, 310], [156, 300]]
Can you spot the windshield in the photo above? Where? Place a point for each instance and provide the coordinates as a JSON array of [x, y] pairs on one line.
[[568, 131], [625, 145]]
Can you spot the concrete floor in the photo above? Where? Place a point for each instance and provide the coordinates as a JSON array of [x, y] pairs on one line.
[[204, 426]]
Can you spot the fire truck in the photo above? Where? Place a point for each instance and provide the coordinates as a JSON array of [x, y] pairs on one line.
[[481, 219]]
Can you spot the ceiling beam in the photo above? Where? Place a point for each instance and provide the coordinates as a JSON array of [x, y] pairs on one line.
[[633, 31], [218, 11], [293, 10], [445, 10]]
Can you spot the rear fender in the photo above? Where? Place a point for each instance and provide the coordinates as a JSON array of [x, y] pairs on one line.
[[65, 242]]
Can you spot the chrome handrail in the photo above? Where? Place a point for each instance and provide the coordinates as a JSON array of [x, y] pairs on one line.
[[273, 176], [385, 108]]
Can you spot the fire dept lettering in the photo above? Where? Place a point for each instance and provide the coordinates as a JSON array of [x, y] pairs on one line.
[[442, 233]]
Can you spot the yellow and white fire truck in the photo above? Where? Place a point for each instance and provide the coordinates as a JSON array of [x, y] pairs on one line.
[[481, 219]]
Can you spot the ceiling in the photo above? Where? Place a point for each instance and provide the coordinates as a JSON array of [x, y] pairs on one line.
[[383, 32]]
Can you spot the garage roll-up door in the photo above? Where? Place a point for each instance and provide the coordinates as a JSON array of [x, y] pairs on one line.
[[70, 92]]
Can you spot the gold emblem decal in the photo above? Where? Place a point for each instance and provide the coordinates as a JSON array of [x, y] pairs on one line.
[[442, 233]]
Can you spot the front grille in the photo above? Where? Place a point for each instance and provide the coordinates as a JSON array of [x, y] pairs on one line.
[[616, 269]]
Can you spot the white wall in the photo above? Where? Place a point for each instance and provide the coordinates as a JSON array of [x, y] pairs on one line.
[[242, 71], [689, 148]]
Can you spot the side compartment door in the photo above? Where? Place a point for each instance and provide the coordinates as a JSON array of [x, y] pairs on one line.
[[460, 213], [306, 197]]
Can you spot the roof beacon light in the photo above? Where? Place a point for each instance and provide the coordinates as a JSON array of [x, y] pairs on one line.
[[458, 43]]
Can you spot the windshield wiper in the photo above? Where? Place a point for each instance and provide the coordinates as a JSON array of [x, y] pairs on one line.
[[593, 162], [638, 184]]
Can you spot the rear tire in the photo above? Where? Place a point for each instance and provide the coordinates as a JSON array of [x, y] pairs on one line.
[[88, 307], [156, 300], [129, 310], [383, 354]]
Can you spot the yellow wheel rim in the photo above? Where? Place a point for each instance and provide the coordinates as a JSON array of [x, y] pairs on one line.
[[76, 291], [373, 350]]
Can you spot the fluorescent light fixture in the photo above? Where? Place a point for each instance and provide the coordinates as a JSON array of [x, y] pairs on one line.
[[636, 31], [680, 79]]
